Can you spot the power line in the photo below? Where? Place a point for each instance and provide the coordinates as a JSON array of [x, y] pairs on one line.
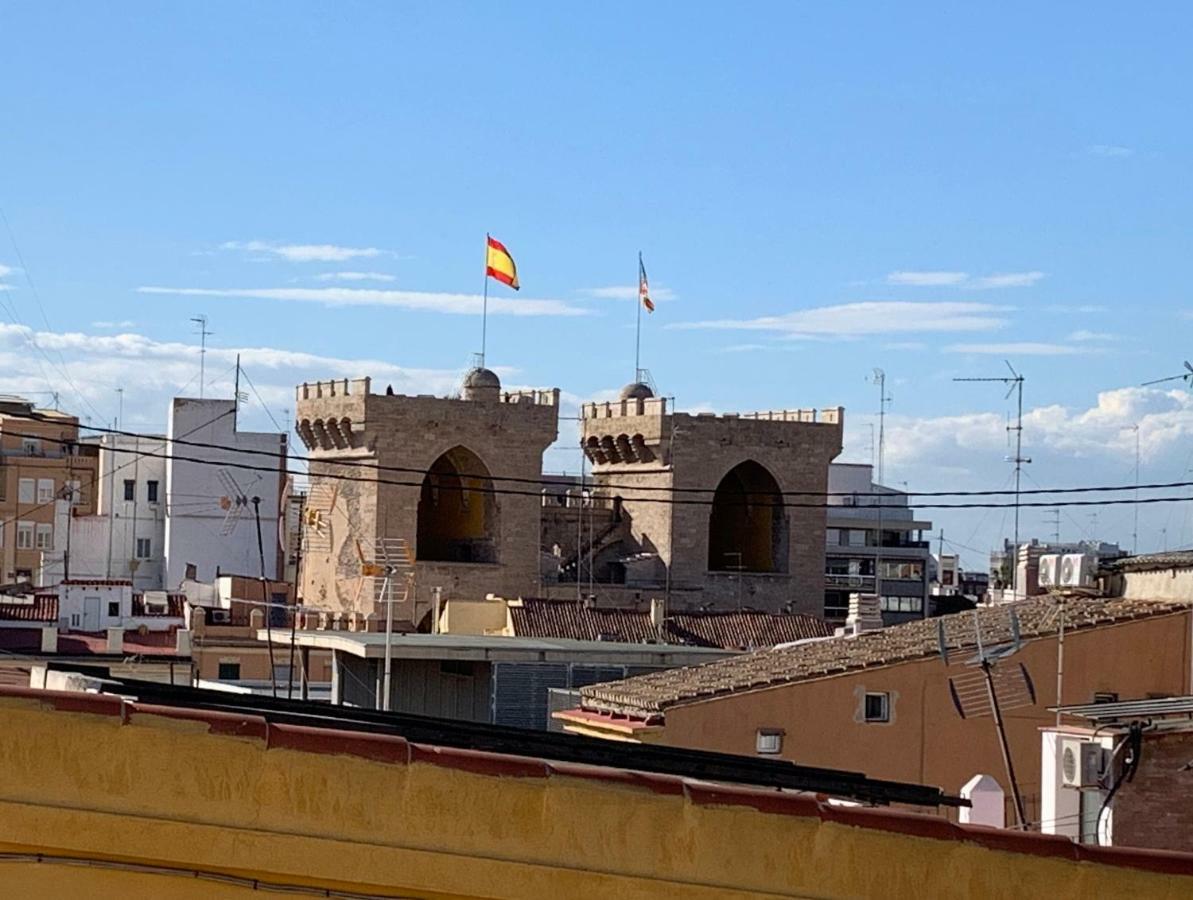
[[546, 481], [667, 501]]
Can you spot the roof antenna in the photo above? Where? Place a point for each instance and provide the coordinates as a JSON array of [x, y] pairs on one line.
[[1016, 387], [991, 690]]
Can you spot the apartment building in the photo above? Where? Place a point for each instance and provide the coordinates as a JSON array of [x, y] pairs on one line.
[[41, 462], [872, 550]]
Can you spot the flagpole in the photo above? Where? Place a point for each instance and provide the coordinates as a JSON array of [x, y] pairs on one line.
[[638, 335], [485, 303]]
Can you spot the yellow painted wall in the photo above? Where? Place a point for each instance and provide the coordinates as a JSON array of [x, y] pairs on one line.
[[165, 792], [462, 616]]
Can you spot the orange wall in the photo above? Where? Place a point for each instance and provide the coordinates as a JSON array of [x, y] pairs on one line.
[[927, 741]]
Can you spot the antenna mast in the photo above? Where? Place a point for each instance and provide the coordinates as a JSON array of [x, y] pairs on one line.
[[1016, 387], [879, 378], [204, 334]]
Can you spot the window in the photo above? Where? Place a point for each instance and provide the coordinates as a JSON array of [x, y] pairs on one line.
[[902, 604], [26, 490], [74, 491], [769, 740], [877, 707], [229, 671], [75, 620], [114, 609], [857, 537], [143, 548], [832, 537], [130, 490], [151, 491], [45, 536], [281, 674], [31, 446], [903, 571], [24, 535], [45, 490]]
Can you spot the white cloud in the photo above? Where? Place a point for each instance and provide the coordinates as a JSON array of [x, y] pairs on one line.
[[424, 301], [875, 317], [927, 279], [303, 252], [1020, 348], [1005, 280], [1165, 419], [964, 279], [1109, 150], [1077, 308], [151, 371], [355, 276], [125, 323], [1082, 334], [6, 270], [626, 292]]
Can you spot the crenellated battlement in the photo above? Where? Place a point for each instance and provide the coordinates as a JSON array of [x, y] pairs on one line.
[[657, 407], [362, 387]]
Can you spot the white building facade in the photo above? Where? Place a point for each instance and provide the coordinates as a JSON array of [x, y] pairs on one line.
[[215, 491]]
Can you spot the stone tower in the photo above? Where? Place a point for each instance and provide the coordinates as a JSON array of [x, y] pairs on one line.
[[469, 532], [742, 539]]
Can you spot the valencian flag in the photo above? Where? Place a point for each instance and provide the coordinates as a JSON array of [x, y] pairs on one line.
[[643, 287], [499, 264]]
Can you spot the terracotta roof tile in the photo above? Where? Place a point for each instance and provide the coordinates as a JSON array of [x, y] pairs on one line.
[[738, 630], [44, 608], [648, 695]]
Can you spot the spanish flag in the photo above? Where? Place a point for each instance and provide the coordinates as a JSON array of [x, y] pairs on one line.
[[644, 287], [499, 264]]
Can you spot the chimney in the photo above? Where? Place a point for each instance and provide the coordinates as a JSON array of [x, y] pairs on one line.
[[116, 640], [865, 614], [182, 642], [49, 639], [657, 613]]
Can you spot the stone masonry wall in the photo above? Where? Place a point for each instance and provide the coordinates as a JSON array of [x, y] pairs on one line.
[[404, 432], [687, 451]]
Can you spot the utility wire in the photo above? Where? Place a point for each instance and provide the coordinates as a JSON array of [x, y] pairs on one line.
[[666, 501], [545, 481]]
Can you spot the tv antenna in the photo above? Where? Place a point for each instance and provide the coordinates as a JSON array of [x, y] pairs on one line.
[[878, 377], [990, 689], [391, 559], [1015, 380], [1186, 377], [204, 334]]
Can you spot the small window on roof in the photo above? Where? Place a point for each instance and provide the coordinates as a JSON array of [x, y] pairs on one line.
[[769, 741]]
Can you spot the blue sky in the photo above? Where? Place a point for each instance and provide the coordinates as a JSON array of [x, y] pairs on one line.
[[817, 190]]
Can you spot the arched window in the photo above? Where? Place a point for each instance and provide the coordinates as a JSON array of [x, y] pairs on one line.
[[457, 510], [747, 530]]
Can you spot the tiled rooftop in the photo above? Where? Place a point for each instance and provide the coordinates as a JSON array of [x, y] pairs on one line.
[[1176, 559], [649, 695], [739, 630], [44, 608]]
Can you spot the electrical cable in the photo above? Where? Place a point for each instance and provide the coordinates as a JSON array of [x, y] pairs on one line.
[[666, 501], [546, 482]]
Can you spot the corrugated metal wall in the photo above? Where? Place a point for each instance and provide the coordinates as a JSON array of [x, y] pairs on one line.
[[520, 689]]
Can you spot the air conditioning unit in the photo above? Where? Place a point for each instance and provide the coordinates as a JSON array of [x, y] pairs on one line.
[[1077, 569], [1083, 764], [1050, 570]]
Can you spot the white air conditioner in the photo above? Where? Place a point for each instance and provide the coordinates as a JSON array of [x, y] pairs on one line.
[[1077, 569], [1082, 763], [1050, 570]]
